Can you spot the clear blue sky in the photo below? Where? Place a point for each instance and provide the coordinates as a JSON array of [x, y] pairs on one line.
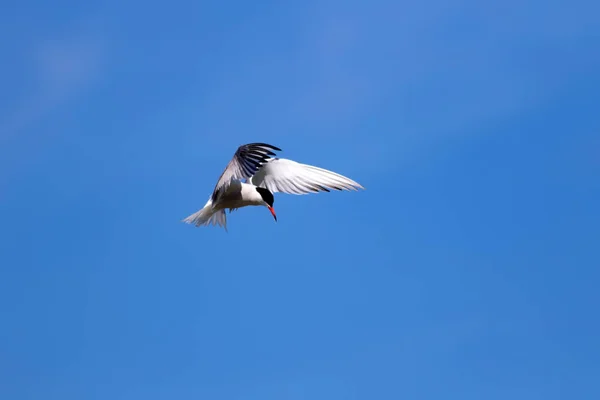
[[468, 269]]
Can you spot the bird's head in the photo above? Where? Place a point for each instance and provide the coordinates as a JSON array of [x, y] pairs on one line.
[[268, 198]]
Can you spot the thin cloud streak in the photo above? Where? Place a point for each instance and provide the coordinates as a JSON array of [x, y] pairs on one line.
[[65, 68]]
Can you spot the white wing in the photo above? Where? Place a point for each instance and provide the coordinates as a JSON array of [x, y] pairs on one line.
[[245, 162], [287, 176]]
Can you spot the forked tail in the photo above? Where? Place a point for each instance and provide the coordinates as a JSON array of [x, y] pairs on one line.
[[207, 216]]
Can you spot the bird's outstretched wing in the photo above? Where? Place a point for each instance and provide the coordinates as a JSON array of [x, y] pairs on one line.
[[287, 176], [245, 162]]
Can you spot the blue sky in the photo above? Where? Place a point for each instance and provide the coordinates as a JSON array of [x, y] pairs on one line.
[[468, 269]]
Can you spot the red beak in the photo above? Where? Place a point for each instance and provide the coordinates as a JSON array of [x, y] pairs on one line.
[[273, 212]]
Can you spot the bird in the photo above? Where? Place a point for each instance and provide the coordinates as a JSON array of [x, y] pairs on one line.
[[254, 174]]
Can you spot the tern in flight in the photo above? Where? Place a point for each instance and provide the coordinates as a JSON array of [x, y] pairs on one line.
[[264, 176]]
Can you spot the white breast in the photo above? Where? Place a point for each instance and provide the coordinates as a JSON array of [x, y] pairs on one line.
[[239, 195]]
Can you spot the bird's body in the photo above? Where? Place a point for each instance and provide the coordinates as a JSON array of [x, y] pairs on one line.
[[238, 195], [264, 176]]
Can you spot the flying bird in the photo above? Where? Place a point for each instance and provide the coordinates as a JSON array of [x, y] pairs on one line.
[[264, 175]]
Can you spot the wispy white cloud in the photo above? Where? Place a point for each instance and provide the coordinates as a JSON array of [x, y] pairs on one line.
[[58, 70], [63, 68]]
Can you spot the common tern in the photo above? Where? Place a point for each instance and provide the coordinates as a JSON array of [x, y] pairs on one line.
[[264, 175]]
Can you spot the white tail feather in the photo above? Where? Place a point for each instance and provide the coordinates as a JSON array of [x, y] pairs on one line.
[[207, 216]]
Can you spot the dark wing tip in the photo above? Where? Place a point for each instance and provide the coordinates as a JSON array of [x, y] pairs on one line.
[[248, 158], [252, 155], [260, 144]]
